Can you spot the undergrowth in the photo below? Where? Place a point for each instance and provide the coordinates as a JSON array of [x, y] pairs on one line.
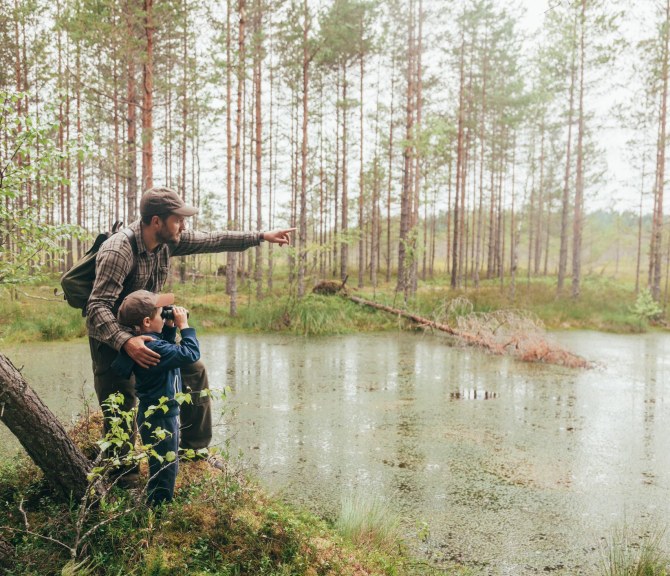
[[35, 314], [220, 522]]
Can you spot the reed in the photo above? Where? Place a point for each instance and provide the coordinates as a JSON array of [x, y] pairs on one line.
[[365, 519], [628, 554]]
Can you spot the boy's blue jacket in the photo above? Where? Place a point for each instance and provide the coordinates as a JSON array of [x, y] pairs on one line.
[[164, 379]]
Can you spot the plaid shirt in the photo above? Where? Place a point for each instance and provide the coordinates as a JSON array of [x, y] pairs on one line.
[[118, 273]]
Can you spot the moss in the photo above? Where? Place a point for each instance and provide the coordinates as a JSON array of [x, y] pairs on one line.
[[217, 524]]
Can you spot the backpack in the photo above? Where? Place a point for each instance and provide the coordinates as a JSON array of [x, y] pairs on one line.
[[77, 282]]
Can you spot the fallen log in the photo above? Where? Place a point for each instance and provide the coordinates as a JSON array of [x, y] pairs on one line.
[[529, 349]]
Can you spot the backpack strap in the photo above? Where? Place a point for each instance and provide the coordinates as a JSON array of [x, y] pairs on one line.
[[131, 238], [133, 244]]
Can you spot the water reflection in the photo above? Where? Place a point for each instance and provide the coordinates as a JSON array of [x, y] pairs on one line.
[[516, 468], [472, 394]]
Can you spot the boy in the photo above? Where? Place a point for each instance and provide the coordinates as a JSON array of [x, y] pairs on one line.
[[142, 312]]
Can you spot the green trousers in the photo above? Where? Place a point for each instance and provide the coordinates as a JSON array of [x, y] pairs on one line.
[[196, 418]]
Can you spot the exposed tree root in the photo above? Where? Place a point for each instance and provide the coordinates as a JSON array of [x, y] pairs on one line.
[[330, 287], [501, 332]]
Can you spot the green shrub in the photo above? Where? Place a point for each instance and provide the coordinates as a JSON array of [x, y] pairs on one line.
[[646, 308]]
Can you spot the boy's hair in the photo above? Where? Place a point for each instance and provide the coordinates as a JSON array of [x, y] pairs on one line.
[[141, 304], [137, 330]]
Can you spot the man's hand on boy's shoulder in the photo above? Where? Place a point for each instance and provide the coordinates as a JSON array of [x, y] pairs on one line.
[[136, 348]]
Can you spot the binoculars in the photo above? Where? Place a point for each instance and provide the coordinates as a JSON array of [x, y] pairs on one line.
[[168, 313]]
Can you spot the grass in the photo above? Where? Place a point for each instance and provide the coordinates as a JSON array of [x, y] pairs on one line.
[[367, 519], [603, 304], [34, 314], [627, 554], [218, 523]]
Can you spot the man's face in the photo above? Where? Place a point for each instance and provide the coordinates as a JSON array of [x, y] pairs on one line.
[[170, 229]]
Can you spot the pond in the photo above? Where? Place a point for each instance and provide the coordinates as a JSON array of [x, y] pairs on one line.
[[509, 468]]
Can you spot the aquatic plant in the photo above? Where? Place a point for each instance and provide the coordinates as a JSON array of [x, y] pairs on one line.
[[366, 519], [627, 554]]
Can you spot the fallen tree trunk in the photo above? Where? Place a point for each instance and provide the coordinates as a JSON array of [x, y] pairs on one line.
[[41, 434], [529, 349], [413, 317]]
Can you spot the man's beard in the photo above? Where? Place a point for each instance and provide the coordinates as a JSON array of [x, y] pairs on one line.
[[164, 238]]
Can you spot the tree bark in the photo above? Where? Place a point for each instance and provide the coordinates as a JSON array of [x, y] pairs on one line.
[[344, 247], [578, 222], [258, 59], [232, 256], [456, 245], [406, 195], [131, 186], [41, 434], [563, 254], [361, 172], [147, 101], [389, 186], [655, 252], [302, 228]]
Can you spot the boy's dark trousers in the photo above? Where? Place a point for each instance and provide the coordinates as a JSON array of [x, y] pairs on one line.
[[162, 475], [196, 418]]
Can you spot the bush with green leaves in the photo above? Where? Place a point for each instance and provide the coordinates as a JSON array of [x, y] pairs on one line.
[[30, 155], [646, 308]]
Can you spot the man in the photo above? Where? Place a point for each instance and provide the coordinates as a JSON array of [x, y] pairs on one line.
[[122, 268]]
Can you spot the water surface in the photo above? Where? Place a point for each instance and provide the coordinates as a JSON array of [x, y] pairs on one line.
[[514, 468]]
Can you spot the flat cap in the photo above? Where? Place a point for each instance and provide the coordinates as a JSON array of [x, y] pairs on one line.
[[163, 201]]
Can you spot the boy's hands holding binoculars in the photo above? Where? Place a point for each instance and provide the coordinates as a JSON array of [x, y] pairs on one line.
[[180, 317], [177, 316]]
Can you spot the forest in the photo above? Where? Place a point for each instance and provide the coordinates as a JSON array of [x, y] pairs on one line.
[[404, 139], [430, 147]]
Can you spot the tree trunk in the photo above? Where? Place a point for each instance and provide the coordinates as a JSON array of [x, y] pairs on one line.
[[361, 172], [232, 256], [540, 204], [131, 186], [336, 177], [302, 229], [416, 131], [389, 185], [374, 248], [41, 434], [638, 261], [272, 147], [655, 252], [344, 248], [406, 211], [578, 222], [563, 254], [456, 245], [80, 163], [147, 101], [323, 186], [229, 130], [258, 59]]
